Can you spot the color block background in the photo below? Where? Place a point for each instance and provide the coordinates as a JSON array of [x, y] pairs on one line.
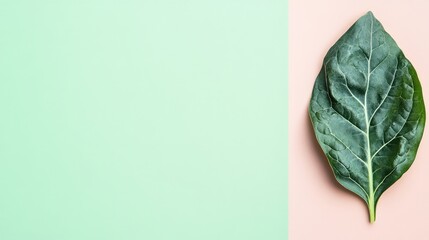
[[319, 207], [154, 120]]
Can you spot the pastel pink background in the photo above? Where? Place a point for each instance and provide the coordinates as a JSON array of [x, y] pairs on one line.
[[319, 208]]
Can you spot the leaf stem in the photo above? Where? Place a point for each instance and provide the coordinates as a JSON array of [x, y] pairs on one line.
[[371, 207]]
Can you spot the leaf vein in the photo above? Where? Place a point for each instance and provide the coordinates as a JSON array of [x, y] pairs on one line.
[[387, 94]]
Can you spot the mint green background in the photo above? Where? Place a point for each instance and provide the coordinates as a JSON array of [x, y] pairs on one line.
[[143, 120]]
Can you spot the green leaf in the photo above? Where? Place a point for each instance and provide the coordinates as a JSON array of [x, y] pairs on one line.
[[367, 110]]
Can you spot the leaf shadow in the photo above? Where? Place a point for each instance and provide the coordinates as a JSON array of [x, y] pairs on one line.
[[322, 163]]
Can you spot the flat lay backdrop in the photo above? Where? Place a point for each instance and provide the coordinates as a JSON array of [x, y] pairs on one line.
[[146, 120], [319, 208]]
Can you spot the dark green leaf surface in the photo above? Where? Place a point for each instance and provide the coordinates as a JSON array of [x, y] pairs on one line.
[[367, 110]]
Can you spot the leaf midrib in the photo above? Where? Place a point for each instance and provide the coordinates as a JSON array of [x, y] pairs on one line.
[[368, 147]]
